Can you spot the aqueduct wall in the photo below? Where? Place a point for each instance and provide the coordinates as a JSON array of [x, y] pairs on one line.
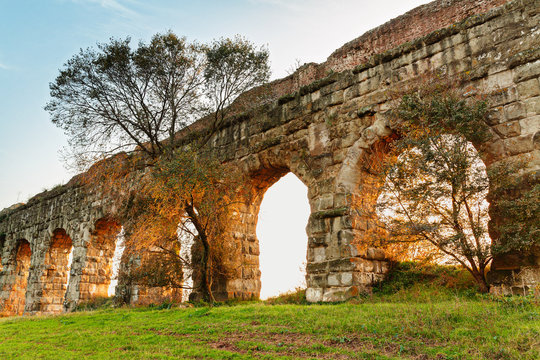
[[325, 128]]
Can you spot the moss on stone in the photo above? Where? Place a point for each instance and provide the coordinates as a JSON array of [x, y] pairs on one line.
[[286, 98], [524, 57], [330, 213]]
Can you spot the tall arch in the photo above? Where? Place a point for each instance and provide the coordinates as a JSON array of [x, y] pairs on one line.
[[282, 237], [261, 172], [16, 300], [56, 272]]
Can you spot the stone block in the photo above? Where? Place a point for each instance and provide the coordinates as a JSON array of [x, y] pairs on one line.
[[314, 294], [528, 89], [504, 96], [532, 106], [375, 254], [367, 266], [346, 278], [317, 280], [334, 279], [495, 115], [499, 81], [319, 254], [519, 145], [316, 268], [530, 125], [317, 226], [321, 240], [325, 202], [341, 265], [336, 98], [508, 129], [347, 251], [515, 111], [332, 252], [363, 278], [345, 237], [527, 71], [342, 200], [339, 294]]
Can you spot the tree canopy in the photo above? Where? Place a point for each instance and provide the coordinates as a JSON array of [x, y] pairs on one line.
[[117, 97]]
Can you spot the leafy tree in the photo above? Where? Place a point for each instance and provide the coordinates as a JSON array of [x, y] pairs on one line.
[[233, 66], [116, 97], [434, 183], [138, 100], [188, 194]]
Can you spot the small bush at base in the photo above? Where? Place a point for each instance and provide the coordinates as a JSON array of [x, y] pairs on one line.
[[296, 296], [404, 275], [95, 304]]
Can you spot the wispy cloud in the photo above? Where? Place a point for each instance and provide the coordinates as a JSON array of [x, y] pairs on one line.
[[292, 5], [114, 5], [4, 67]]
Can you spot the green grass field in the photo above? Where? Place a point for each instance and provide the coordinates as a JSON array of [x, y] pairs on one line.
[[419, 321]]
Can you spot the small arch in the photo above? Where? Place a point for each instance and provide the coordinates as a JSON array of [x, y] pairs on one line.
[[56, 272], [16, 301], [117, 258], [98, 270]]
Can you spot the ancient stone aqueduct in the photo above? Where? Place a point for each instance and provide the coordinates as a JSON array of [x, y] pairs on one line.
[[323, 128]]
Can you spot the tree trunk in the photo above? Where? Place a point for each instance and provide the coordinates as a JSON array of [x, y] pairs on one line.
[[481, 282], [206, 276]]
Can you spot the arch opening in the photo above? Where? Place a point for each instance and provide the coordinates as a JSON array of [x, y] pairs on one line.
[[57, 271], [17, 298], [281, 230], [117, 258], [98, 270], [433, 204]]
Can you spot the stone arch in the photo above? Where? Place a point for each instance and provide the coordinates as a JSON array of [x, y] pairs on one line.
[[261, 171], [55, 272], [97, 270], [357, 179], [246, 231], [16, 301], [282, 237]]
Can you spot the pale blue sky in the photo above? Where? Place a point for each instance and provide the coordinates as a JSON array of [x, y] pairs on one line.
[[39, 36]]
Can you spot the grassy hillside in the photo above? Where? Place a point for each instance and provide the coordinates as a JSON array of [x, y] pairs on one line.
[[418, 321]]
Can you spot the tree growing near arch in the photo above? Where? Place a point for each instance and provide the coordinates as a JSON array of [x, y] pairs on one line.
[[189, 194], [434, 183], [142, 100]]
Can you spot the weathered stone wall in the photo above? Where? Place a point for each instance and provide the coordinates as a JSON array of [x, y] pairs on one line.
[[326, 133], [405, 28]]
